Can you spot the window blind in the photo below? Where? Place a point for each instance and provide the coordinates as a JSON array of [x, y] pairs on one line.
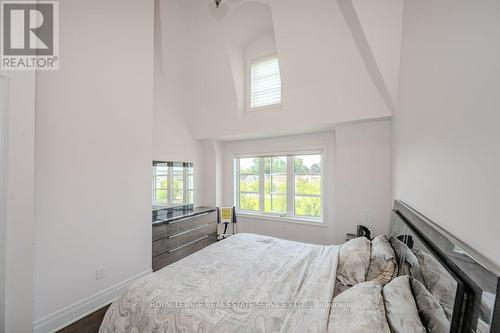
[[266, 83]]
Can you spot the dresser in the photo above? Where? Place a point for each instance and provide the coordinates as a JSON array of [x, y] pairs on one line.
[[177, 234]]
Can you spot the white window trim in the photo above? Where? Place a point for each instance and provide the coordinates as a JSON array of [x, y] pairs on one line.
[[284, 219], [304, 220], [248, 85]]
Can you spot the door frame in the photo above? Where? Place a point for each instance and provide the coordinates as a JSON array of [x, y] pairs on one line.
[[3, 192]]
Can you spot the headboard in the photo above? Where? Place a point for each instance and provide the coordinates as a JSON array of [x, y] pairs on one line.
[[473, 282]]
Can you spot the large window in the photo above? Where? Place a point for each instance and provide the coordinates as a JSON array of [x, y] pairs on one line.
[[288, 185], [265, 83], [172, 183]]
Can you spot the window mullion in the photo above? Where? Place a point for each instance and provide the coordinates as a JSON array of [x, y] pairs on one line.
[[261, 185], [170, 177], [185, 186], [154, 185], [290, 186], [237, 183]]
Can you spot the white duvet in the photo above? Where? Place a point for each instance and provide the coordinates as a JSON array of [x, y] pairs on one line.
[[246, 283]]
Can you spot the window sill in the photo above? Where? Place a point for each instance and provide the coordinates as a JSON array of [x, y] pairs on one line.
[[287, 219], [272, 107]]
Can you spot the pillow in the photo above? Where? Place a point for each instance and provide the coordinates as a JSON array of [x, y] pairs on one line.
[[359, 309], [382, 261], [339, 288], [406, 259], [354, 258], [400, 307], [438, 281], [431, 313]]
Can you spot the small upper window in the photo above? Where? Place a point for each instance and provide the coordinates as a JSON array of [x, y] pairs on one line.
[[265, 88]]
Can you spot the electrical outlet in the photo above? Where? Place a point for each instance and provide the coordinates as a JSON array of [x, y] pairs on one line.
[[101, 272]]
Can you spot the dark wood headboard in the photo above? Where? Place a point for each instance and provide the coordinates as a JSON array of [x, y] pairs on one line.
[[477, 276]]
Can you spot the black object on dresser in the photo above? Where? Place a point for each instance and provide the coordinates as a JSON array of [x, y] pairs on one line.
[[177, 234]]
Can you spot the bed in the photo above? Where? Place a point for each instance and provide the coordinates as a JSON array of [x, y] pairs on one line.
[[399, 282]]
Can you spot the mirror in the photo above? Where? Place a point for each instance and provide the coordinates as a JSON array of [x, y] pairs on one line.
[[173, 184]]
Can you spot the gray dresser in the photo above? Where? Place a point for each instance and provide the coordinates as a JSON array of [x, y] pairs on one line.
[[177, 235]]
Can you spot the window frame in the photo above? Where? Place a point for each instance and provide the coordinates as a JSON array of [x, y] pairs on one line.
[[248, 83], [290, 215], [271, 174], [189, 189], [258, 174]]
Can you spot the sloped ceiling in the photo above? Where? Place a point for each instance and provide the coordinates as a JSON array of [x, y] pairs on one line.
[[337, 66], [247, 22], [376, 28], [245, 25]]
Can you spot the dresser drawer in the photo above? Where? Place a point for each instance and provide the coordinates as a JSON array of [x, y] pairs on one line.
[[212, 228], [196, 221], [164, 230], [194, 235], [168, 258], [164, 245]]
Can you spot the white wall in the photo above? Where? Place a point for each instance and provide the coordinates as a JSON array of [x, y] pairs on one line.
[[172, 140], [19, 213], [446, 137], [210, 182], [93, 158], [363, 175], [171, 137], [357, 181]]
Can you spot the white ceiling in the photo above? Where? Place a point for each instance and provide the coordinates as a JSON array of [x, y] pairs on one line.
[[247, 22]]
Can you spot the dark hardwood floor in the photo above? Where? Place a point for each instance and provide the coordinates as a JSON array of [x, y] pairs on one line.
[[88, 324]]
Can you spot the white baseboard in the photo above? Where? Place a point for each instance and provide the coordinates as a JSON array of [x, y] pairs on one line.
[[73, 312]]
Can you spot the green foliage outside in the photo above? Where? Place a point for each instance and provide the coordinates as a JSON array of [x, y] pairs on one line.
[[161, 191], [249, 201], [177, 191], [308, 206], [310, 185]]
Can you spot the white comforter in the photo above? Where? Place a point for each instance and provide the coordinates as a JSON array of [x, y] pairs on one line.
[[247, 283]]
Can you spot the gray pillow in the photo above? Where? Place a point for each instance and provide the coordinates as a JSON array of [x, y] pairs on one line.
[[339, 288], [354, 258], [405, 258], [431, 313], [438, 281], [400, 307], [359, 309], [382, 261]]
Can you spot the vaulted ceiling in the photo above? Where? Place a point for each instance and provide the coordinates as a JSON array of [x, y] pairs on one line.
[[339, 63]]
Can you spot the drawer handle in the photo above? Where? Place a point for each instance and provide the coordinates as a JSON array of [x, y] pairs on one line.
[[187, 218], [182, 246], [186, 231]]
